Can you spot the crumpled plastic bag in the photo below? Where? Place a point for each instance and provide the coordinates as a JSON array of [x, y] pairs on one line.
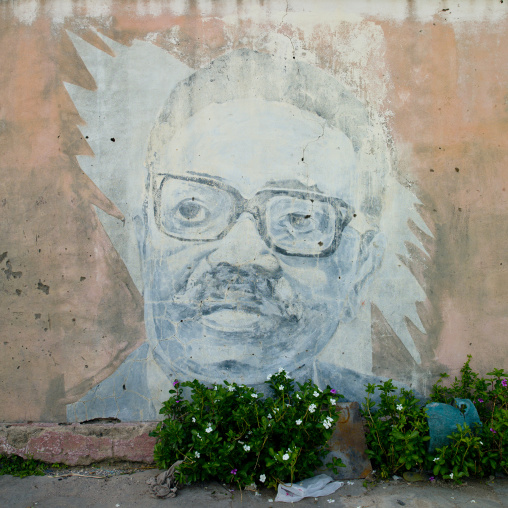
[[164, 484], [321, 485]]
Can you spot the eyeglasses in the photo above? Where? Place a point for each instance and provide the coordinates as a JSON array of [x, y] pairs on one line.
[[292, 222]]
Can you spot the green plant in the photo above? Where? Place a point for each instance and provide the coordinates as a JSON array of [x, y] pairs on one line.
[[397, 429], [233, 434], [17, 466], [488, 452], [462, 457], [468, 386]]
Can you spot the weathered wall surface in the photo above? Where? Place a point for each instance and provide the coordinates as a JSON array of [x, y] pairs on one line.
[[216, 189]]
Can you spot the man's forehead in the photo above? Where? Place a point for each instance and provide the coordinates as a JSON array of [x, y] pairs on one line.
[[252, 144]]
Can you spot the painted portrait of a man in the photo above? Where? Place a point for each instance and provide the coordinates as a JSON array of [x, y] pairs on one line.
[[259, 235], [214, 190]]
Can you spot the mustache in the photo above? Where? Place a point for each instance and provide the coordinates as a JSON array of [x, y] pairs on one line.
[[250, 288]]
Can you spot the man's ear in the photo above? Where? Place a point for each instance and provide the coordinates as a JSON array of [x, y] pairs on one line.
[[139, 228], [370, 255], [140, 232]]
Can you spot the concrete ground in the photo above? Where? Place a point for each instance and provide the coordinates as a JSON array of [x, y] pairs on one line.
[[126, 490]]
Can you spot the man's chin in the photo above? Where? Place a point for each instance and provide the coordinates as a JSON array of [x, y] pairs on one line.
[[233, 371]]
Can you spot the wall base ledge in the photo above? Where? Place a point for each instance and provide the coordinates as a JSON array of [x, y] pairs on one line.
[[79, 444]]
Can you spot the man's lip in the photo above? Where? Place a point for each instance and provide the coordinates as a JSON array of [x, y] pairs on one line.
[[251, 307], [231, 320], [260, 308], [231, 297]]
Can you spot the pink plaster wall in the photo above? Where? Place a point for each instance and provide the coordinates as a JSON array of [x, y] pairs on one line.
[[448, 94]]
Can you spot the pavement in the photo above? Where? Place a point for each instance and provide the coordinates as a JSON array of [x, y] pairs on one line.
[[78, 490]]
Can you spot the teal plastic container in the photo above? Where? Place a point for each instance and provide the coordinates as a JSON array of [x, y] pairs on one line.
[[443, 420]]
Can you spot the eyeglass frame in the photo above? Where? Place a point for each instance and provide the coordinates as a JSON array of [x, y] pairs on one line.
[[243, 205]]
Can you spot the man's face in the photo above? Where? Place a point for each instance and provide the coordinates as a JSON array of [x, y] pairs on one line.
[[250, 256]]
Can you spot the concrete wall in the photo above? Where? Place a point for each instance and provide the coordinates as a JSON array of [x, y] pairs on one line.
[[215, 190]]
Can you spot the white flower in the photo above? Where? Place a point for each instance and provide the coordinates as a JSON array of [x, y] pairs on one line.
[[298, 396], [288, 405], [399, 407], [269, 416], [435, 459], [231, 388], [312, 408], [208, 430], [287, 375], [268, 377], [330, 500], [275, 409], [481, 442], [451, 476], [316, 394], [285, 457], [281, 369], [254, 395], [281, 387], [215, 387], [246, 447], [193, 420], [197, 455], [350, 482], [333, 402], [262, 478], [198, 435]]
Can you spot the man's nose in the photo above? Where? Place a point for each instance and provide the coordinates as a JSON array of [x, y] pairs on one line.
[[244, 246]]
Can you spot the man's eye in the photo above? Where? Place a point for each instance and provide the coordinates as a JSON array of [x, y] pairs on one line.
[[300, 221], [191, 210]]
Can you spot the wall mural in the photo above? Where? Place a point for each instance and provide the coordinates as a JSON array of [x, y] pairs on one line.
[[215, 190], [262, 219]]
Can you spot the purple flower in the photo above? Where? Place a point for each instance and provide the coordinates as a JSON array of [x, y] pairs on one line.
[[234, 471], [177, 401], [333, 390], [504, 383], [431, 479], [175, 382], [493, 431], [480, 400]]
